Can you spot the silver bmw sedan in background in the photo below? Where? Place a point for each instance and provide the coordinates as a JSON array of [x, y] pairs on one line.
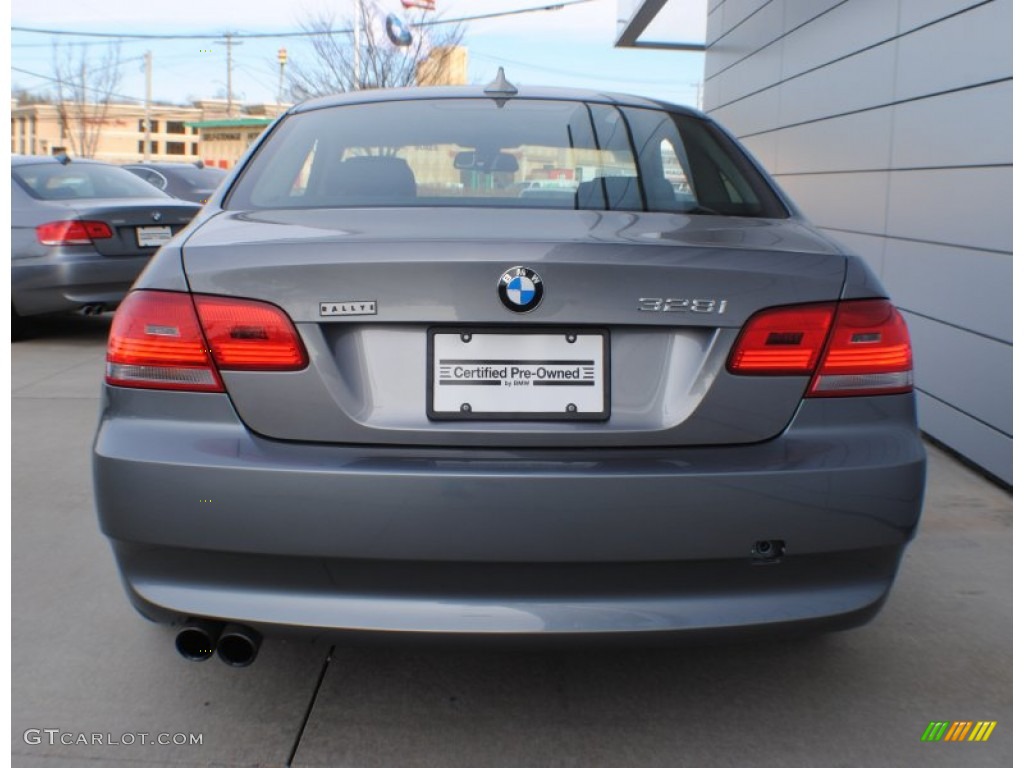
[[487, 362]]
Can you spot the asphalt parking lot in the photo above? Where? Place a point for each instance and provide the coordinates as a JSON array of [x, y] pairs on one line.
[[85, 664]]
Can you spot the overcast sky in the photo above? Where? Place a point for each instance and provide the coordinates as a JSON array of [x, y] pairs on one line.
[[572, 46]]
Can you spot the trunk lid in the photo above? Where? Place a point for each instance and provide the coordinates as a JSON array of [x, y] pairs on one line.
[[136, 222], [388, 277]]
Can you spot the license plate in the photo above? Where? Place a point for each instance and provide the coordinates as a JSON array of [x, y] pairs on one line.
[[522, 375], [149, 236]]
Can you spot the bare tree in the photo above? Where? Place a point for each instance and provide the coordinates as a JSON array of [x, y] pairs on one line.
[[26, 95], [85, 89], [334, 65]]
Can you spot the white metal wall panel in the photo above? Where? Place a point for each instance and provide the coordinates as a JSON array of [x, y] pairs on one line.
[[966, 435], [963, 369], [749, 36], [972, 290], [847, 143], [974, 47], [850, 201], [762, 70], [933, 132], [914, 13], [857, 82], [734, 12], [890, 124], [863, 22], [802, 11], [756, 113], [969, 207]]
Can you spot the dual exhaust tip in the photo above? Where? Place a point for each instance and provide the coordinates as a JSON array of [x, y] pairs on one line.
[[236, 645]]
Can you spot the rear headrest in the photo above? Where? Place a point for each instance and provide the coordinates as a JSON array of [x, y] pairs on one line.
[[372, 178]]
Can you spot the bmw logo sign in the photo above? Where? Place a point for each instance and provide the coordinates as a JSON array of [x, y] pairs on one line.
[[520, 289]]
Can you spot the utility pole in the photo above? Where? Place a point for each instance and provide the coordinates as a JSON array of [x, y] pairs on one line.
[[229, 41], [83, 130], [357, 26], [149, 99]]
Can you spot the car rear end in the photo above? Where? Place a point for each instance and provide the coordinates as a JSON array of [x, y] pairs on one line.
[[378, 390], [82, 232]]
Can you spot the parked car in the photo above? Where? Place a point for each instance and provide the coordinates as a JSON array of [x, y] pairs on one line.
[[343, 404], [81, 232], [186, 181]]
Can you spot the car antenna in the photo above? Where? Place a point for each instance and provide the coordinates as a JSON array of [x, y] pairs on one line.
[[199, 164], [62, 158], [501, 87]]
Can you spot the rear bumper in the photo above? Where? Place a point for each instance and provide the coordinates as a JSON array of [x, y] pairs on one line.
[[65, 281], [210, 520]]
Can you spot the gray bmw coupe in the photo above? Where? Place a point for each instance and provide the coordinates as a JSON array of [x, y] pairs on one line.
[[81, 232], [375, 388]]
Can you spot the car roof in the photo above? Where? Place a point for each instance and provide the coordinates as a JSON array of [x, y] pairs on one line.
[[478, 92], [36, 159], [174, 166]]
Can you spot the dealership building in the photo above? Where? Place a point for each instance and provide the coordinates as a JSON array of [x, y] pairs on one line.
[[889, 123]]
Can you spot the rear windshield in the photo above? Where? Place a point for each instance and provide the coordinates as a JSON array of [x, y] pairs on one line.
[[198, 178], [81, 181], [503, 153]]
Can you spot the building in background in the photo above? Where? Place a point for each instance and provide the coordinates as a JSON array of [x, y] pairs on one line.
[[117, 133], [444, 65], [889, 122], [223, 140]]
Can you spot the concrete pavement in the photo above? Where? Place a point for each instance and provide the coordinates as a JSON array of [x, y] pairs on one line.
[[84, 663]]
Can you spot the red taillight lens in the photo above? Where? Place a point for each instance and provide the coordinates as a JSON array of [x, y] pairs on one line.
[[868, 352], [863, 347], [162, 340], [156, 343], [247, 335], [785, 341], [72, 232]]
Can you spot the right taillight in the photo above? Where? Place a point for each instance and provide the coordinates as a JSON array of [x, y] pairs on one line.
[[169, 340], [868, 352], [858, 347]]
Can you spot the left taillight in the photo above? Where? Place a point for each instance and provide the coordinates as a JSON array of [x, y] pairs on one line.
[[74, 232], [165, 340]]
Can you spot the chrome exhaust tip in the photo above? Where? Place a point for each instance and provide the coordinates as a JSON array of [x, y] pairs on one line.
[[197, 640], [238, 645]]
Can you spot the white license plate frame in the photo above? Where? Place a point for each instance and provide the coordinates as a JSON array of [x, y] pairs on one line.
[[150, 237], [501, 374]]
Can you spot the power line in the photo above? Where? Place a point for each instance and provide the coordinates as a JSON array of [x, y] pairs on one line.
[[304, 33], [84, 87], [568, 73]]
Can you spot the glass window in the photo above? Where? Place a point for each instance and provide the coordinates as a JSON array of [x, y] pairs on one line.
[[77, 181], [689, 165], [502, 153], [175, 148], [175, 126]]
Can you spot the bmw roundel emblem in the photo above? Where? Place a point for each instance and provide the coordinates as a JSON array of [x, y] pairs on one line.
[[520, 289]]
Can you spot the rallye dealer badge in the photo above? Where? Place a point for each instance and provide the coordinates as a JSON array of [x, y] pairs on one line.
[[347, 308]]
